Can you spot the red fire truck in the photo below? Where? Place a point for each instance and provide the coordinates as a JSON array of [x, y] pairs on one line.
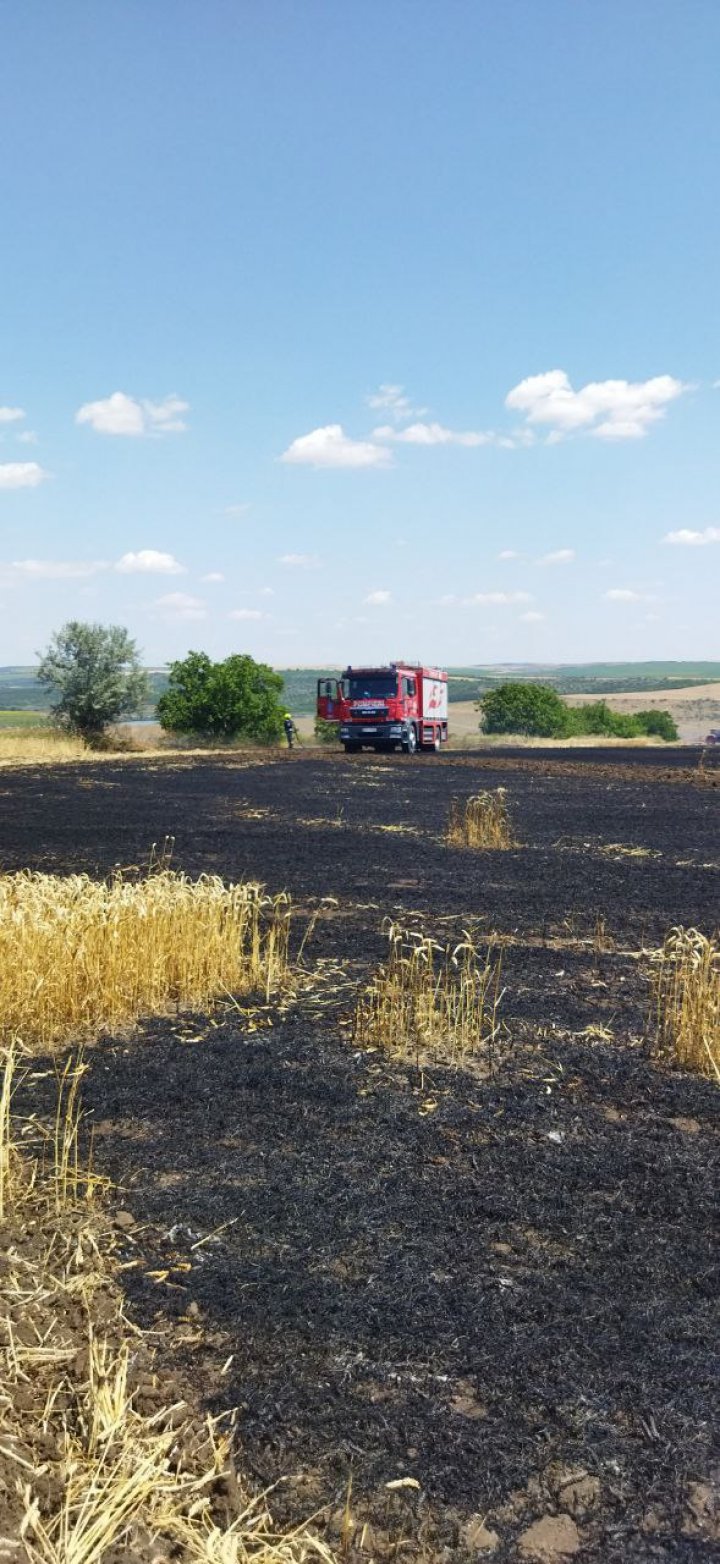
[[401, 706]]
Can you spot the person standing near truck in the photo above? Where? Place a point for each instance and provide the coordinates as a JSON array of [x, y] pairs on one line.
[[291, 732]]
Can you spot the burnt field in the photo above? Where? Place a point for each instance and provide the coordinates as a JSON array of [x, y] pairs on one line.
[[497, 1284]]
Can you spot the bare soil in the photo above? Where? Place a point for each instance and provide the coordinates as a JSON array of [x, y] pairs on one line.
[[495, 1285]]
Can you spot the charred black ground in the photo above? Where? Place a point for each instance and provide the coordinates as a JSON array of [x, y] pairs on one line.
[[479, 1281]]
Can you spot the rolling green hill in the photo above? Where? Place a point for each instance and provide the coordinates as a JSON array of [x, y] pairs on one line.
[[21, 693]]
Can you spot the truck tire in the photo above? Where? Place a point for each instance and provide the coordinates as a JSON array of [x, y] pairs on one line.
[[409, 743]]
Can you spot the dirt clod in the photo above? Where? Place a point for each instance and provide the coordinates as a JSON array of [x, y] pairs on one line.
[[554, 1537], [574, 1489], [703, 1511], [477, 1537]]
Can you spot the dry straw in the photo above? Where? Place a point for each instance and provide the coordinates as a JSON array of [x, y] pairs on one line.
[[40, 745], [77, 955], [92, 1474], [480, 821], [432, 996], [686, 1000]]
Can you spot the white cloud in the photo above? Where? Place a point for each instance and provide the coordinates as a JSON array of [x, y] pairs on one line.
[[150, 562], [27, 437], [508, 553], [437, 434], [624, 595], [607, 409], [392, 401], [331, 447], [559, 556], [21, 475], [485, 600], [126, 415], [213, 576], [56, 569], [246, 613], [180, 605], [497, 599], [379, 599], [11, 415], [532, 618], [300, 561], [693, 539]]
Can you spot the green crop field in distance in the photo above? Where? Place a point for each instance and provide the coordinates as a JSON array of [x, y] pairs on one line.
[[23, 719]]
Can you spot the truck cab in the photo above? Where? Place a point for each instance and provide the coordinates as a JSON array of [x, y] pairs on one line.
[[400, 706]]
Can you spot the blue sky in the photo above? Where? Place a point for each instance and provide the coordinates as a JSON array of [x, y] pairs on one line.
[[345, 332]]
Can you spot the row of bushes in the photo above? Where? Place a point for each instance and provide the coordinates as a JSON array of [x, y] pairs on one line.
[[536, 710]]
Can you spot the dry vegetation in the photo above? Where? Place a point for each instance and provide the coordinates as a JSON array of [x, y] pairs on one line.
[[480, 821], [78, 956], [431, 996], [93, 1456], [686, 991], [42, 745]]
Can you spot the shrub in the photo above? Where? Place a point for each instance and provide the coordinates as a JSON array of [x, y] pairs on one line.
[[95, 673], [326, 732], [660, 723], [536, 710], [237, 698]]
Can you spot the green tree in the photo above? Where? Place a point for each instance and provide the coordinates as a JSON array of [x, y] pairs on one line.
[[237, 698], [533, 709], [95, 674], [659, 722]]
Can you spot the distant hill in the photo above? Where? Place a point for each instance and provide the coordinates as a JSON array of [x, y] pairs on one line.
[[569, 679], [20, 691]]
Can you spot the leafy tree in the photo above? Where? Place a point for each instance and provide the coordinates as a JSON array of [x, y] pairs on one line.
[[94, 671], [237, 698], [533, 709]]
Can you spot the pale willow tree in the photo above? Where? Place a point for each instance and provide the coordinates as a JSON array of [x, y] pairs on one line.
[[95, 675]]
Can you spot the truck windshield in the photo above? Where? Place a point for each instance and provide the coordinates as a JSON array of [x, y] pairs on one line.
[[370, 686]]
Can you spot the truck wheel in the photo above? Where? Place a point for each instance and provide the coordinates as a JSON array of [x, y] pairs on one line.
[[409, 744]]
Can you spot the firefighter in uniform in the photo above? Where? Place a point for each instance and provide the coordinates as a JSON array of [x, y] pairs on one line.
[[291, 731]]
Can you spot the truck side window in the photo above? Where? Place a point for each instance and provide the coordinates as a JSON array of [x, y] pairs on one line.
[[408, 686]]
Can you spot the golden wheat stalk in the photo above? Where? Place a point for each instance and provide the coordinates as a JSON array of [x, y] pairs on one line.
[[430, 996], [686, 1000], [481, 821], [77, 955], [94, 1474]]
